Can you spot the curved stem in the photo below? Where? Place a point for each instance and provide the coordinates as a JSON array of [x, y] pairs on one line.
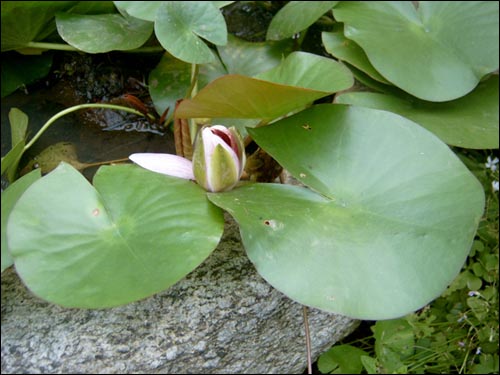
[[73, 109]]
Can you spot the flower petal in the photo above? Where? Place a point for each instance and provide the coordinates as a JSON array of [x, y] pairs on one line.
[[171, 165]]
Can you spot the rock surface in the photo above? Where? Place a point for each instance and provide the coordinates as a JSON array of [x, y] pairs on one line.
[[222, 318]]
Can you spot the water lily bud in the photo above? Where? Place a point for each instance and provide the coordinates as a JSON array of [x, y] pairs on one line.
[[218, 158]]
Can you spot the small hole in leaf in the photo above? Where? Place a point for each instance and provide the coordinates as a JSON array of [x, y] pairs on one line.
[[95, 212], [273, 224]]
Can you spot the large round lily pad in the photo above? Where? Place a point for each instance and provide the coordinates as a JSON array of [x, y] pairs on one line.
[[133, 234], [386, 225]]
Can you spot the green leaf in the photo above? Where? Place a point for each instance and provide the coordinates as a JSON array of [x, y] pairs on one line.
[[299, 80], [488, 364], [296, 16], [370, 364], [310, 71], [222, 4], [180, 25], [250, 58], [144, 10], [471, 121], [133, 234], [18, 125], [27, 21], [390, 229], [473, 282], [11, 160], [169, 81], [103, 32], [394, 342], [9, 199], [438, 52], [480, 307], [341, 359], [210, 72], [344, 49], [19, 70], [93, 7]]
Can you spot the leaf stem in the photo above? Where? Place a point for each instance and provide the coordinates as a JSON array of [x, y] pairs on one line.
[[67, 47], [194, 80], [308, 339], [52, 46], [115, 161]]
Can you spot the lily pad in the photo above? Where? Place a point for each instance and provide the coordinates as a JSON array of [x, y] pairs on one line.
[[299, 80], [387, 221], [9, 199], [310, 71], [471, 121], [169, 81], [133, 234], [86, 32], [144, 10], [438, 52], [347, 50], [27, 21], [180, 25], [251, 58], [295, 17]]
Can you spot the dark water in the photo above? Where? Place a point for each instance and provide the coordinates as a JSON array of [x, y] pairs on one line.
[[99, 135]]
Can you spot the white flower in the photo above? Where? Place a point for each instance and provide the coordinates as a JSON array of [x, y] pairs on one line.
[[492, 163], [218, 160], [494, 185]]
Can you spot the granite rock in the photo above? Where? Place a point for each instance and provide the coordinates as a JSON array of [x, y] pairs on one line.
[[221, 318]]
